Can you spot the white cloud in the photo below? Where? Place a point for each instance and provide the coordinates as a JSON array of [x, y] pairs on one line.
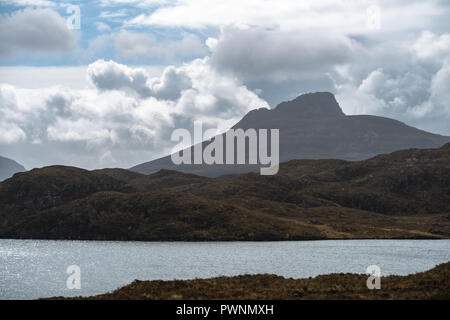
[[101, 26], [35, 30], [78, 130], [412, 85], [439, 91], [134, 44], [204, 13], [349, 16], [10, 133], [113, 123], [113, 14], [432, 46], [211, 43], [137, 44]]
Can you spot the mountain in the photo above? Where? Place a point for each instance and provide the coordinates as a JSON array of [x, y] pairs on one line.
[[313, 126], [8, 167], [405, 194]]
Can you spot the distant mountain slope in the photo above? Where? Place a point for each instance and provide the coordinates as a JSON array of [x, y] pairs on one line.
[[313, 126], [405, 194], [8, 167]]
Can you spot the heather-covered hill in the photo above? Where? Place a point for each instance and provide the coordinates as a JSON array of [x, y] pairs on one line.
[[431, 284], [47, 187], [405, 182], [405, 194]]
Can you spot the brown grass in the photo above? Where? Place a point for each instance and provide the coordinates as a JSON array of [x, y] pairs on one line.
[[432, 284]]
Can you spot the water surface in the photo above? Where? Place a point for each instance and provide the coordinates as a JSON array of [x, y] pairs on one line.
[[32, 269]]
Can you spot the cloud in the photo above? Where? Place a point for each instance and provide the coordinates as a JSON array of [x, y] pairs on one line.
[[109, 75], [412, 85], [211, 43], [432, 46], [113, 14], [284, 48], [440, 95], [137, 44], [253, 53], [35, 30], [339, 16], [101, 26], [198, 14], [125, 118], [171, 84], [10, 133], [136, 47]]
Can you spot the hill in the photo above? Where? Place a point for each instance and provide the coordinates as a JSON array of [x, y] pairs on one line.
[[405, 194], [431, 284]]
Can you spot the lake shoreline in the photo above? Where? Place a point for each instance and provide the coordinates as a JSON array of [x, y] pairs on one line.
[[233, 240], [431, 284]]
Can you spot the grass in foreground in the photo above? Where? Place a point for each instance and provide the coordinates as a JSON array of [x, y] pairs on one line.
[[431, 284]]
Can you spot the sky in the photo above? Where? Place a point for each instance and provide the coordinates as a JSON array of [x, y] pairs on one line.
[[104, 83]]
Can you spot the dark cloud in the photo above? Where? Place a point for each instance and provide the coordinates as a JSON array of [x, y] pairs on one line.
[[109, 75], [34, 31], [255, 52]]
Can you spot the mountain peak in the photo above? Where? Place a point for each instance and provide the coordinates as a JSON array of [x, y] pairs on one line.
[[317, 104]]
